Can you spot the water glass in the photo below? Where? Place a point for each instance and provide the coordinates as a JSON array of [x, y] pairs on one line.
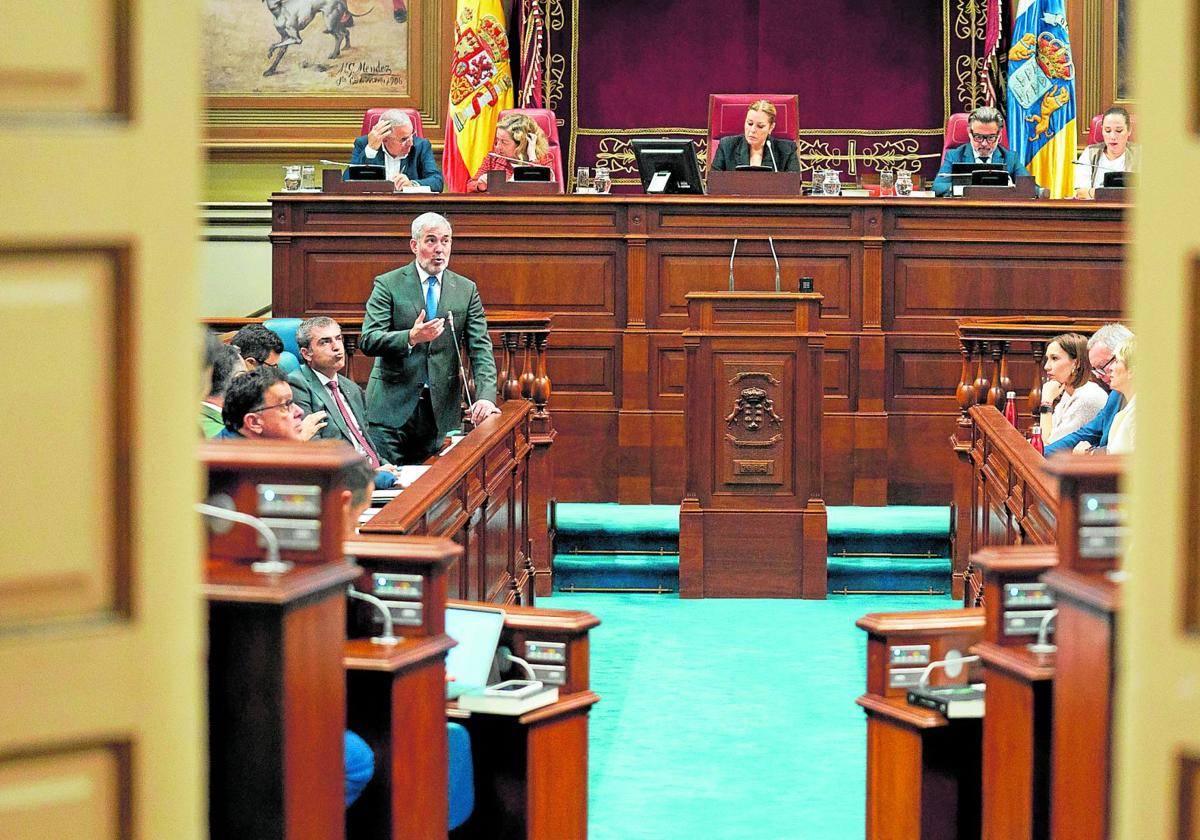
[[308, 177], [904, 184], [291, 178], [583, 180], [603, 182], [831, 183], [887, 181]]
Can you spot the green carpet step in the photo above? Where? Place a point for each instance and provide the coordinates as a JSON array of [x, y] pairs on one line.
[[616, 572], [640, 529], [888, 574]]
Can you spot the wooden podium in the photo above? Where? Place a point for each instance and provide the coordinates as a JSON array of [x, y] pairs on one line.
[[753, 521]]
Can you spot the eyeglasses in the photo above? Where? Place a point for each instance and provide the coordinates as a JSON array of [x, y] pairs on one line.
[[286, 405], [1102, 371], [984, 138]]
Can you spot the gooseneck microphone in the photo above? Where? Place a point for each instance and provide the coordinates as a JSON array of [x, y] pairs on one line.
[[732, 254], [771, 242], [462, 373], [774, 163]]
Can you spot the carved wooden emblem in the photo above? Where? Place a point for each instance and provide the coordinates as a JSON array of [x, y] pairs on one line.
[[751, 409]]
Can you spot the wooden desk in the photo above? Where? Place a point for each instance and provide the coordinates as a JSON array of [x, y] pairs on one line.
[[531, 771], [477, 495], [614, 272], [923, 771]]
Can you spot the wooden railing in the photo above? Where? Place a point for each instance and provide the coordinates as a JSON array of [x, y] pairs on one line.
[[1002, 496]]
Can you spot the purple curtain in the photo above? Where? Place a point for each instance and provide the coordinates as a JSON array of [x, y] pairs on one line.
[[876, 81]]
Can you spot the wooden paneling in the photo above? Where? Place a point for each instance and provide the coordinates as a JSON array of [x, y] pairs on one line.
[[81, 791], [615, 271]]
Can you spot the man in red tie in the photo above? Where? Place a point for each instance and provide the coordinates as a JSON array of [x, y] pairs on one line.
[[319, 386]]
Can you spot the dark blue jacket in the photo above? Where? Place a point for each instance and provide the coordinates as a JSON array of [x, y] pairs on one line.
[[1095, 432], [419, 165], [966, 154]]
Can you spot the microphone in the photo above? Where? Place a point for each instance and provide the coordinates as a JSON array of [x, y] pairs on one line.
[[272, 565], [731, 256], [499, 156], [388, 638], [332, 162], [771, 242], [774, 163], [462, 373]]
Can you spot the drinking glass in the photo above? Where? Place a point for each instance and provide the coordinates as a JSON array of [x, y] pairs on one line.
[[582, 180], [291, 178], [887, 181], [603, 182], [831, 184], [904, 184], [308, 177]]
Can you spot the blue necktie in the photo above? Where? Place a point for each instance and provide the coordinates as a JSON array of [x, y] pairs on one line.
[[430, 300]]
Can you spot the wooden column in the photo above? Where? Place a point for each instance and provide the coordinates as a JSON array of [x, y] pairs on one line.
[[753, 520]]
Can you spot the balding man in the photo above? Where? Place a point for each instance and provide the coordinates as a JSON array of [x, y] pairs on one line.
[[407, 160]]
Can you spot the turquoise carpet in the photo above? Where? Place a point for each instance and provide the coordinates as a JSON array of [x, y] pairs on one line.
[[726, 719]]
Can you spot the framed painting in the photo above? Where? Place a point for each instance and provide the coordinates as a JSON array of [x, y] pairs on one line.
[[288, 76]]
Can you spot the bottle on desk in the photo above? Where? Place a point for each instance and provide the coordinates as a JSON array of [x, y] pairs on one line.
[[1010, 408], [1035, 439]]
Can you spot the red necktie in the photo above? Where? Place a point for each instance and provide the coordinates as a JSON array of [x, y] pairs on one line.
[[353, 426]]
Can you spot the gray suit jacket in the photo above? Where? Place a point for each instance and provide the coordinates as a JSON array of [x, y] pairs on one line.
[[311, 395], [399, 374]]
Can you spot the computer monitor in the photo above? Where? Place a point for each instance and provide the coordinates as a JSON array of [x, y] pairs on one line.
[[975, 172], [668, 166], [1118, 179], [477, 631]]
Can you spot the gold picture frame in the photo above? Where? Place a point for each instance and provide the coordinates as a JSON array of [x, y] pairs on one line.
[[312, 104]]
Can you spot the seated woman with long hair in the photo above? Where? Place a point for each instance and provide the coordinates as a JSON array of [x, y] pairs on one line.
[[1069, 398], [518, 139], [755, 146], [1114, 154]]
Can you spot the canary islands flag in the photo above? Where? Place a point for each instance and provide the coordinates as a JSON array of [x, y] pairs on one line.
[[481, 86], [1041, 94]]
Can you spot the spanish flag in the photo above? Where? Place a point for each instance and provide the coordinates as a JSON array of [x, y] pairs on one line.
[[1041, 94], [481, 86]]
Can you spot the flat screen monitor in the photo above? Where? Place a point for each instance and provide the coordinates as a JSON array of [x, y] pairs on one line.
[[1118, 179], [668, 166], [477, 631]]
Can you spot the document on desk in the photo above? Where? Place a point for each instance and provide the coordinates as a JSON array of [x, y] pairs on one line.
[[410, 473]]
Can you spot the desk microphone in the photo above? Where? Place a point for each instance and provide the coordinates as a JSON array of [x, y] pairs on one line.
[[462, 373], [223, 510], [732, 254], [771, 242], [333, 163], [774, 164], [499, 156]]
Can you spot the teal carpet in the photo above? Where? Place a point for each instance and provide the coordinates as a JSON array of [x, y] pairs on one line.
[[725, 719]]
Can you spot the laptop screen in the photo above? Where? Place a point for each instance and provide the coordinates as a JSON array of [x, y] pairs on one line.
[[477, 631]]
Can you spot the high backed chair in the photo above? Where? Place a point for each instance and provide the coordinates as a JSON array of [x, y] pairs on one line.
[[372, 116], [958, 132], [285, 328], [1096, 129], [727, 115], [545, 118]]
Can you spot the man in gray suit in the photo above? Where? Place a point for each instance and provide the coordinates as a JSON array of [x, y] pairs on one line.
[[414, 394]]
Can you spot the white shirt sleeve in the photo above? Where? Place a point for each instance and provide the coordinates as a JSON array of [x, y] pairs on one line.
[[370, 153], [1083, 172]]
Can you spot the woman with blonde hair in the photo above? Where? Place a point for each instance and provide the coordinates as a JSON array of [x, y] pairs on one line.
[[755, 146], [1121, 433], [1070, 399], [519, 139]]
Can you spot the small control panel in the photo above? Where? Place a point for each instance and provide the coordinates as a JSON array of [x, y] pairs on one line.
[[553, 653], [1028, 595], [390, 585], [294, 534], [1025, 622], [550, 674], [908, 655], [406, 613], [904, 677], [1101, 540], [1102, 509], [288, 499]]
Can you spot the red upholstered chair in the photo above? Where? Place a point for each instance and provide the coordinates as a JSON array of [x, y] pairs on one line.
[[372, 116], [957, 133], [545, 118], [727, 115], [1096, 130]]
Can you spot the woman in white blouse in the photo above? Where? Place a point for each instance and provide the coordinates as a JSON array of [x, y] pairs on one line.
[[1114, 154], [1070, 399], [1121, 433]]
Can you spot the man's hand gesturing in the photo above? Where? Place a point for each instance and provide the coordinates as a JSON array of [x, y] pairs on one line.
[[423, 330], [378, 133]]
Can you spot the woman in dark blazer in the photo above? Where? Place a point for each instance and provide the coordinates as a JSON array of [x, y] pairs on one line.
[[755, 146]]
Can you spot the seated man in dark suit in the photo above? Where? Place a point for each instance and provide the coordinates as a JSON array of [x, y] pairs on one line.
[[259, 405], [985, 126], [258, 345], [407, 160], [318, 386]]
